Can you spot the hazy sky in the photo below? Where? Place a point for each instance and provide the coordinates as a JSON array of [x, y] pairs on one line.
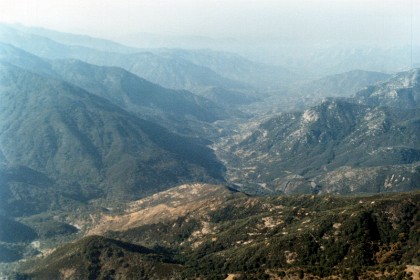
[[278, 20]]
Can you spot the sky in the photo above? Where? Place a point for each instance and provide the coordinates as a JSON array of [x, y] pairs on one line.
[[379, 21]]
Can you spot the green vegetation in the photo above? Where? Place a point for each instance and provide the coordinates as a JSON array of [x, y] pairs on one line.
[[75, 147], [12, 231], [304, 236], [97, 257], [329, 236]]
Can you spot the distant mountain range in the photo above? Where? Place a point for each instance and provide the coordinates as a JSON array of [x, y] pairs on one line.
[[339, 58], [69, 38], [339, 85], [235, 67], [171, 108], [202, 72]]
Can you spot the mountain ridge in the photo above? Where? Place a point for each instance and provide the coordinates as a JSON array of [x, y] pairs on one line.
[[317, 236], [84, 138], [176, 110], [291, 150], [171, 72]]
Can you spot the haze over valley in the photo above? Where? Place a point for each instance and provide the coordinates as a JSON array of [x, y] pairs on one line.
[[276, 145]]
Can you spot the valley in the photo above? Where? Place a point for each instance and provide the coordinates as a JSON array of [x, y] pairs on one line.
[[124, 163]]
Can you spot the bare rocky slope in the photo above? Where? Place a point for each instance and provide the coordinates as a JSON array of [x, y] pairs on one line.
[[376, 134]]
